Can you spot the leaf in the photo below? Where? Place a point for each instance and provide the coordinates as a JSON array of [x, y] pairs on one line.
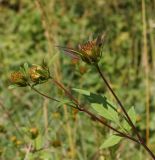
[[62, 102], [39, 141], [126, 125], [26, 67], [132, 115], [22, 70], [111, 141], [108, 113], [81, 91], [113, 114], [70, 52], [13, 86], [95, 98], [103, 107]]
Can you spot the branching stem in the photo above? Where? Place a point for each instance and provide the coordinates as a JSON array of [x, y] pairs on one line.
[[125, 113]]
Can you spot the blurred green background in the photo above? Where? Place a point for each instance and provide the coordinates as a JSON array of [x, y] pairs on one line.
[[29, 30]]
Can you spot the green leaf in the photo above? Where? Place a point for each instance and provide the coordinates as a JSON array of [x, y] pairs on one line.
[[13, 86], [102, 106], [26, 67], [126, 125], [62, 102], [113, 114], [111, 141], [39, 141], [107, 113], [81, 91], [132, 115], [22, 70], [96, 98]]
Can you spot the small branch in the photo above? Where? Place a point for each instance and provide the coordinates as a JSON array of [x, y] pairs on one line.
[[82, 109], [110, 127], [67, 92], [44, 95], [125, 112], [48, 97]]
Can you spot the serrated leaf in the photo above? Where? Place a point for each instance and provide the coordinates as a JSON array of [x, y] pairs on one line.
[[107, 113], [111, 141], [95, 98]]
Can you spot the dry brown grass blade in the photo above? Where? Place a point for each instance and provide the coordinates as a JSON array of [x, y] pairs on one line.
[[146, 68]]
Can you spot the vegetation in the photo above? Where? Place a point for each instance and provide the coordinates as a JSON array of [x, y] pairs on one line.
[[96, 104]]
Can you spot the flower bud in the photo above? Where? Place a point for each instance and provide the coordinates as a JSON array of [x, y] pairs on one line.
[[38, 74], [89, 52], [34, 133], [18, 78], [33, 71]]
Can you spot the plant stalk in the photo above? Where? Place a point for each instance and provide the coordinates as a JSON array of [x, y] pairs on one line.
[[125, 112], [83, 109], [44, 95]]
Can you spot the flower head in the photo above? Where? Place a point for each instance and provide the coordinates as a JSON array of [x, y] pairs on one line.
[[38, 74], [90, 52], [34, 74], [34, 133], [18, 78]]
